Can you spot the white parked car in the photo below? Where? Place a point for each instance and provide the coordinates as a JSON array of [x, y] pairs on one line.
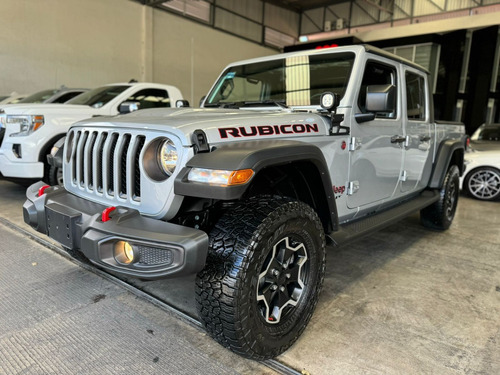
[[29, 131], [13, 98], [481, 179], [60, 95], [486, 137]]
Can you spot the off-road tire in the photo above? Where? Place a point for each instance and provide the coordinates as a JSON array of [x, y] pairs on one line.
[[483, 183], [54, 176], [440, 214], [242, 266]]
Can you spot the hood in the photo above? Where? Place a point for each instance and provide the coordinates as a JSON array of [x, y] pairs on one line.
[[221, 125], [43, 109]]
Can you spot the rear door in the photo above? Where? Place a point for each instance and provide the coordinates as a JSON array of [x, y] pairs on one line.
[[375, 159], [417, 162]]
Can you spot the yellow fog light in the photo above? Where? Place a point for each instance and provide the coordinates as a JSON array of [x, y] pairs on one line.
[[124, 252]]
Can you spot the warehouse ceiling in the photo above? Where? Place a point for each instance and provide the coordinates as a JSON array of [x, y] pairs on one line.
[[302, 5], [295, 5]]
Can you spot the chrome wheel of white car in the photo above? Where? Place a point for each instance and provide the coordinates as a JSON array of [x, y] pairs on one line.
[[483, 183]]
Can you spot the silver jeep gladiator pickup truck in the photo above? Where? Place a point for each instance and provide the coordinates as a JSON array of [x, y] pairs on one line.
[[287, 152]]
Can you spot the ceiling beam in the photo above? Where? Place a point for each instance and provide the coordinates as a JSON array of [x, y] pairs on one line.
[[379, 7]]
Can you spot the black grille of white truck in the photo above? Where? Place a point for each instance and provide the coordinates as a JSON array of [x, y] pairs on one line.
[[106, 163]]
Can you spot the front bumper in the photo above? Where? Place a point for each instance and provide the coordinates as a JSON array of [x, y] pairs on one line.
[[161, 249], [20, 169]]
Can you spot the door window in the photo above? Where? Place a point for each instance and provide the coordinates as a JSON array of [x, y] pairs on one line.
[[377, 74], [415, 96]]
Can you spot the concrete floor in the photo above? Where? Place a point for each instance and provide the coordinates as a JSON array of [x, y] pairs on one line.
[[405, 300]]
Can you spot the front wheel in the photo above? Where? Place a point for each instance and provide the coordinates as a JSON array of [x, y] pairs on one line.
[[483, 183], [263, 276], [440, 214], [55, 176]]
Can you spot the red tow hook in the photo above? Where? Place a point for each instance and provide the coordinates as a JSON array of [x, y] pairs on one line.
[[105, 213], [41, 191]]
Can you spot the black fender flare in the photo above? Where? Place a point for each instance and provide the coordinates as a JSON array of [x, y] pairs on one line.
[[45, 150], [56, 160], [446, 151], [255, 155]]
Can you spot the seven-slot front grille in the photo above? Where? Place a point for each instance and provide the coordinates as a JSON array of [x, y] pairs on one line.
[[106, 162]]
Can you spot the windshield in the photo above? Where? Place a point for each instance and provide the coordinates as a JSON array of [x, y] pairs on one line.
[[294, 81], [98, 97], [38, 97]]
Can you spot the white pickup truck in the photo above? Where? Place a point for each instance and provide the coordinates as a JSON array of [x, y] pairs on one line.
[[29, 131]]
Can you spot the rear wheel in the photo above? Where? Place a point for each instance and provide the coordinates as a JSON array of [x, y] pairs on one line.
[[440, 214], [483, 183], [263, 276]]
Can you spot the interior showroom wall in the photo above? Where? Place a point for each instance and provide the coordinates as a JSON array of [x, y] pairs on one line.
[[87, 43]]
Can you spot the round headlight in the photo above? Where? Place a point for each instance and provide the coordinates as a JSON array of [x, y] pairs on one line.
[[167, 157]]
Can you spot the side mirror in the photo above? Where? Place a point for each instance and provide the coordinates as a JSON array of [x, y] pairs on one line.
[[181, 103], [127, 107], [381, 98]]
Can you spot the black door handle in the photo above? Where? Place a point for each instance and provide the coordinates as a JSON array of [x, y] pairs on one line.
[[398, 139], [425, 138]]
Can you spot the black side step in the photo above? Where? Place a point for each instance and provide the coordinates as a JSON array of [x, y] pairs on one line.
[[376, 222]]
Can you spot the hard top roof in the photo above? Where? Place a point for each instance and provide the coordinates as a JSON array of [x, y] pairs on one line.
[[353, 48]]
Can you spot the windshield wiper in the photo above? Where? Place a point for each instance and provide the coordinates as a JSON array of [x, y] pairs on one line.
[[278, 103], [224, 105]]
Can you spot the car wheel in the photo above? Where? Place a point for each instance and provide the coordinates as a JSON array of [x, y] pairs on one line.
[[55, 176], [483, 183], [263, 276], [440, 214]]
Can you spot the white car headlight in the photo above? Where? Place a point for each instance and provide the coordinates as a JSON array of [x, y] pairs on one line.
[[27, 123]]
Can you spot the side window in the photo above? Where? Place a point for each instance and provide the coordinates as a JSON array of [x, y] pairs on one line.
[[415, 96], [377, 74], [151, 98]]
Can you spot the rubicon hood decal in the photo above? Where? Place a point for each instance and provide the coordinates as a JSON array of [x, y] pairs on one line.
[[260, 130]]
